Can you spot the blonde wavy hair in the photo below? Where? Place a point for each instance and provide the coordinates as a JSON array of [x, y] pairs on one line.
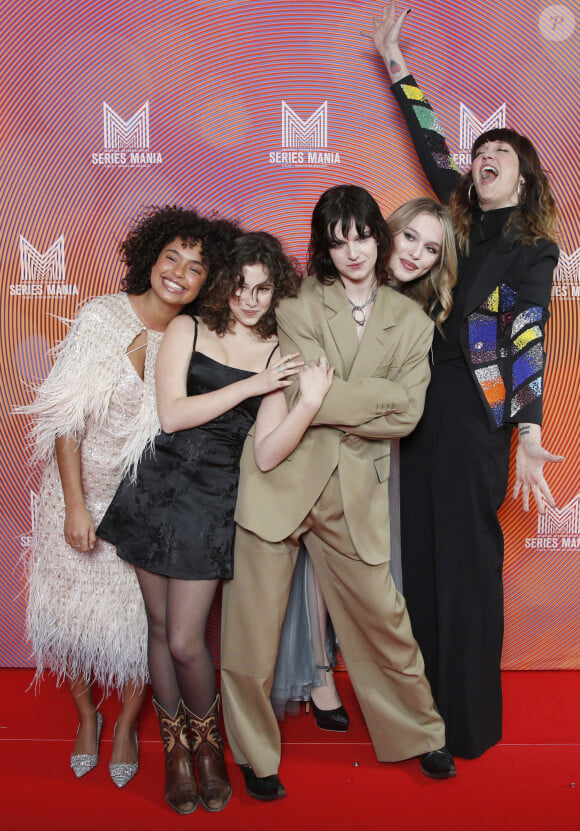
[[432, 291]]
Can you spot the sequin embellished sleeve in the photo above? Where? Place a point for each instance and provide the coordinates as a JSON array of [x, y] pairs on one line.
[[524, 385], [428, 137]]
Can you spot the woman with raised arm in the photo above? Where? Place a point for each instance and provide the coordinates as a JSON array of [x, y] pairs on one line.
[[175, 521], [93, 417], [487, 376], [422, 265]]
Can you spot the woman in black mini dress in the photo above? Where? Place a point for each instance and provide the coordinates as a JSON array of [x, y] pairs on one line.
[[174, 520]]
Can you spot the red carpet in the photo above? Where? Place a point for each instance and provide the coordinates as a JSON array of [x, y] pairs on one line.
[[530, 781]]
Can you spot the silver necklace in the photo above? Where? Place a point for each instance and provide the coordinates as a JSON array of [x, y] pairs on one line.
[[358, 312]]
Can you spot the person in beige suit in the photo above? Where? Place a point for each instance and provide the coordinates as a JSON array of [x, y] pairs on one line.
[[332, 489]]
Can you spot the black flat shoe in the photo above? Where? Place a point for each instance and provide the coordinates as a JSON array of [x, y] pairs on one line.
[[266, 788], [438, 764], [334, 720]]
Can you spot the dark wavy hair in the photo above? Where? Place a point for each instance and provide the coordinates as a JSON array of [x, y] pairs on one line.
[[258, 248], [535, 217], [343, 206], [157, 227]]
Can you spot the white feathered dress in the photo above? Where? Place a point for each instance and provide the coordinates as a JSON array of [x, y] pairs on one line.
[[85, 612]]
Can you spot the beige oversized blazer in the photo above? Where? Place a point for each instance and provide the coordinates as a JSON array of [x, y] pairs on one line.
[[378, 393]]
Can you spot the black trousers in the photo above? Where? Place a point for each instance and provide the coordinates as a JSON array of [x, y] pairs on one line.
[[454, 472]]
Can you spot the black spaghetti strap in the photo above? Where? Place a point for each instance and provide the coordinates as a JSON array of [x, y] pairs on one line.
[[195, 335], [270, 355]]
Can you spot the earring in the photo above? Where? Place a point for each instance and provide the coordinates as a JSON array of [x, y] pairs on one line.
[[521, 191], [470, 193]]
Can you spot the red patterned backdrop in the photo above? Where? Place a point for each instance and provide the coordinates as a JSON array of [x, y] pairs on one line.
[[200, 86]]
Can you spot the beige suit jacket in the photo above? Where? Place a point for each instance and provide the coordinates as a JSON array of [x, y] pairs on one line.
[[377, 394]]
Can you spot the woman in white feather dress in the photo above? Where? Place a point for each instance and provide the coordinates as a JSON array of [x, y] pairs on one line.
[[92, 418]]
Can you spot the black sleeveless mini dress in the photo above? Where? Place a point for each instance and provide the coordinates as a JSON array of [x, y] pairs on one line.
[[177, 517]]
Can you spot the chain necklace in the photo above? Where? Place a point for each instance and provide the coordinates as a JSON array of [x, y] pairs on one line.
[[358, 312]]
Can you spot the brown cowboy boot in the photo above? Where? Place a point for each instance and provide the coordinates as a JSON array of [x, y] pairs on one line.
[[180, 787], [214, 785]]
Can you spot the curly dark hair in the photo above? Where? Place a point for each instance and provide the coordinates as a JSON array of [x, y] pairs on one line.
[[536, 216], [342, 206], [157, 227], [258, 248]]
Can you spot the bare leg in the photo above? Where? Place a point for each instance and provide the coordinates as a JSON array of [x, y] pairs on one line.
[[325, 697], [124, 745], [82, 696]]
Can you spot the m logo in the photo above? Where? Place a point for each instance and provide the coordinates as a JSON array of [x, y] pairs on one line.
[[42, 268], [565, 521], [132, 134], [470, 127], [308, 134], [568, 270]]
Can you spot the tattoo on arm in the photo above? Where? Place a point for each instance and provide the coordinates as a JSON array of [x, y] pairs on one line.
[[523, 429], [394, 67]]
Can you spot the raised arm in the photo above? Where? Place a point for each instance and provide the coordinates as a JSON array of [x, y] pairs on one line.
[[424, 126], [385, 35], [177, 410]]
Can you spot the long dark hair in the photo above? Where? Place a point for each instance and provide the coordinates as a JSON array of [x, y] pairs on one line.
[[343, 206], [536, 215]]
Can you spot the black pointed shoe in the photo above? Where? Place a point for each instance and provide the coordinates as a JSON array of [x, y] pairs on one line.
[[335, 720], [265, 788], [438, 764]]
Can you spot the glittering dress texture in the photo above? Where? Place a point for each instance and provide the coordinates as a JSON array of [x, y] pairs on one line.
[[85, 613], [177, 517]]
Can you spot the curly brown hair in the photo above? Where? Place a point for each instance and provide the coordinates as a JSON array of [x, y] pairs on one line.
[[258, 248], [157, 227], [433, 290], [536, 216]]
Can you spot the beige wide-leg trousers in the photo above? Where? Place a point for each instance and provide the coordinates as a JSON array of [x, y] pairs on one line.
[[371, 621]]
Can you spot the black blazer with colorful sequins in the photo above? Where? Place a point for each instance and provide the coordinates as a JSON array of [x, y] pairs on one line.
[[506, 309]]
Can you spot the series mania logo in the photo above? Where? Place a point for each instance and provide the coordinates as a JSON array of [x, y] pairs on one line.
[[305, 142], [126, 143], [27, 539], [42, 275], [471, 127], [567, 276], [558, 528]]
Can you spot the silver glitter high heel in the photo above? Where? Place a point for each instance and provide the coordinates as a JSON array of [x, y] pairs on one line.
[[83, 763], [123, 772]]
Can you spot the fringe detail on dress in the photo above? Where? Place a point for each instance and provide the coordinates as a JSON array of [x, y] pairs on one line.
[[83, 379], [85, 616]]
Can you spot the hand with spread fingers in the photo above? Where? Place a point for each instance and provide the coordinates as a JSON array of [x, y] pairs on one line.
[[385, 35], [280, 375], [530, 460]]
